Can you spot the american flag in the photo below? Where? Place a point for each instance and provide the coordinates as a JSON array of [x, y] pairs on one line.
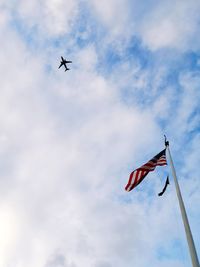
[[139, 174]]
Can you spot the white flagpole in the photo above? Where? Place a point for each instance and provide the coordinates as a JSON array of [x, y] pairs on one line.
[[190, 241]]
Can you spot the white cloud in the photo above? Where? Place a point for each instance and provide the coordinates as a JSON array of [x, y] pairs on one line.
[[10, 222], [59, 15], [50, 18], [165, 24], [187, 103], [159, 25], [171, 25], [162, 106], [68, 143], [87, 58], [113, 14], [57, 166]]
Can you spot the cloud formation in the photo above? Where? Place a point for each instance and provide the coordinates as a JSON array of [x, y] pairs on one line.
[[69, 140]]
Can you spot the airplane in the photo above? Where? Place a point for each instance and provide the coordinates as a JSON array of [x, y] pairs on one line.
[[64, 62]]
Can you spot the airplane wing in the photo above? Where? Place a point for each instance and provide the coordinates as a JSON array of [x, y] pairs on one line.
[[66, 61], [60, 65]]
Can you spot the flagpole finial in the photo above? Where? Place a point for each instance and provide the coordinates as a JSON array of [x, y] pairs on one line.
[[166, 142]]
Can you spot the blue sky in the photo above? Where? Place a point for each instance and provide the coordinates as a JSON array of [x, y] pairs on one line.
[[69, 140]]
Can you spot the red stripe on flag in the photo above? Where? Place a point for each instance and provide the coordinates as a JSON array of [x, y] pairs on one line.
[[139, 174]]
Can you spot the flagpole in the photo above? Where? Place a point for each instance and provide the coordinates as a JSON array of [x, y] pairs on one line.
[[190, 241]]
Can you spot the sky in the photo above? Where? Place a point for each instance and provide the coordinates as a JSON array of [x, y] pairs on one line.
[[69, 140]]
